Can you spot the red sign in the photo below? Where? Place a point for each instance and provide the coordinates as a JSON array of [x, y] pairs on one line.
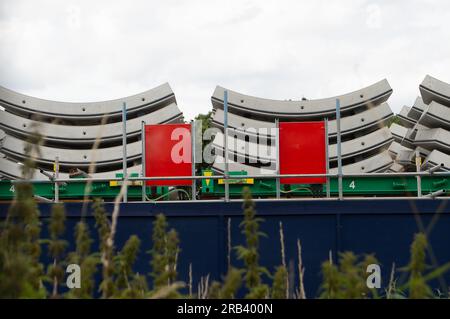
[[168, 152], [302, 151]]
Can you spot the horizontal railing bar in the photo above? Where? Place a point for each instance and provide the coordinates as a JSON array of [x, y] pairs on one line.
[[215, 177]]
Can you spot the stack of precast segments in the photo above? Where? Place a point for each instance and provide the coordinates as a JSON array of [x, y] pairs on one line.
[[82, 136], [365, 117], [422, 138]]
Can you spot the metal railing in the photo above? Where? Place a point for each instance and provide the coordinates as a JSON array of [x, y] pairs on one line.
[[57, 181]]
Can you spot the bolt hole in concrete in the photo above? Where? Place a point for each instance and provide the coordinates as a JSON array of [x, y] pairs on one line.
[[361, 95], [24, 125], [84, 109], [143, 99], [362, 120], [24, 101], [84, 133], [242, 101], [84, 156], [302, 107], [362, 143], [362, 168]]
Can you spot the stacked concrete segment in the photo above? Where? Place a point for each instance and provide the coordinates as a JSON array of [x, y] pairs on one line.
[[380, 162], [436, 90], [80, 134], [424, 128], [12, 170], [84, 136], [256, 107], [86, 113], [375, 141], [365, 121], [251, 122]]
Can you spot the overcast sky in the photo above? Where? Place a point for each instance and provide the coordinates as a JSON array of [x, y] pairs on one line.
[[90, 50]]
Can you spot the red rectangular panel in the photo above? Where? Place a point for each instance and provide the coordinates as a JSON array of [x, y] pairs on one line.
[[168, 150], [302, 151]]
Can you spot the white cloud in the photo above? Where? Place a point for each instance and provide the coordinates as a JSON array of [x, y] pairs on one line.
[[95, 50]]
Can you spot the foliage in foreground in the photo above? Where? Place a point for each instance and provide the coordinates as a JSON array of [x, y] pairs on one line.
[[22, 275]]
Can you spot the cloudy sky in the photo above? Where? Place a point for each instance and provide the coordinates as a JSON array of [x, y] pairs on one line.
[[89, 50]]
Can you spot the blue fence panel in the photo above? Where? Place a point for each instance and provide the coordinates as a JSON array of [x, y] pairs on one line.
[[382, 227]]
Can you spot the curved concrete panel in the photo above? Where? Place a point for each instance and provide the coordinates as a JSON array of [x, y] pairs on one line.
[[104, 157], [67, 135], [436, 138], [404, 119], [253, 152], [417, 109], [375, 117], [436, 90], [377, 163], [2, 136], [431, 139], [396, 168], [12, 170], [395, 148], [309, 109], [437, 158], [433, 115], [400, 135], [408, 156], [87, 112]]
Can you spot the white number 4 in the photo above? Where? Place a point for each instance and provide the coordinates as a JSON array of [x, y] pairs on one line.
[[352, 185]]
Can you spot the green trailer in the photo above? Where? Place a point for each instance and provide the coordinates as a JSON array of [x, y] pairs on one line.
[[360, 186]]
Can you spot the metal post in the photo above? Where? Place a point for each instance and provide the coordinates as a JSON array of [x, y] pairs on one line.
[[56, 177], [277, 141], [144, 188], [194, 182], [225, 143], [339, 155], [418, 178], [327, 158], [124, 150]]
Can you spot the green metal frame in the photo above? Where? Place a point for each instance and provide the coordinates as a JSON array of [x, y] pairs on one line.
[[361, 186], [77, 189]]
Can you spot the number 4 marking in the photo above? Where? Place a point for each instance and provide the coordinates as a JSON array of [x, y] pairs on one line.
[[11, 189], [352, 185]]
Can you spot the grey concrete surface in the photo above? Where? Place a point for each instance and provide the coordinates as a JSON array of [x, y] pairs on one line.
[[10, 169], [436, 90], [309, 109], [395, 148], [86, 135], [378, 140], [104, 158], [89, 112], [436, 138], [378, 163], [416, 110], [363, 122], [404, 119], [433, 115], [437, 158]]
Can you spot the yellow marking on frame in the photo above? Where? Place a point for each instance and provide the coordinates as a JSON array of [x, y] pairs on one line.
[[238, 181], [207, 180], [119, 183]]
